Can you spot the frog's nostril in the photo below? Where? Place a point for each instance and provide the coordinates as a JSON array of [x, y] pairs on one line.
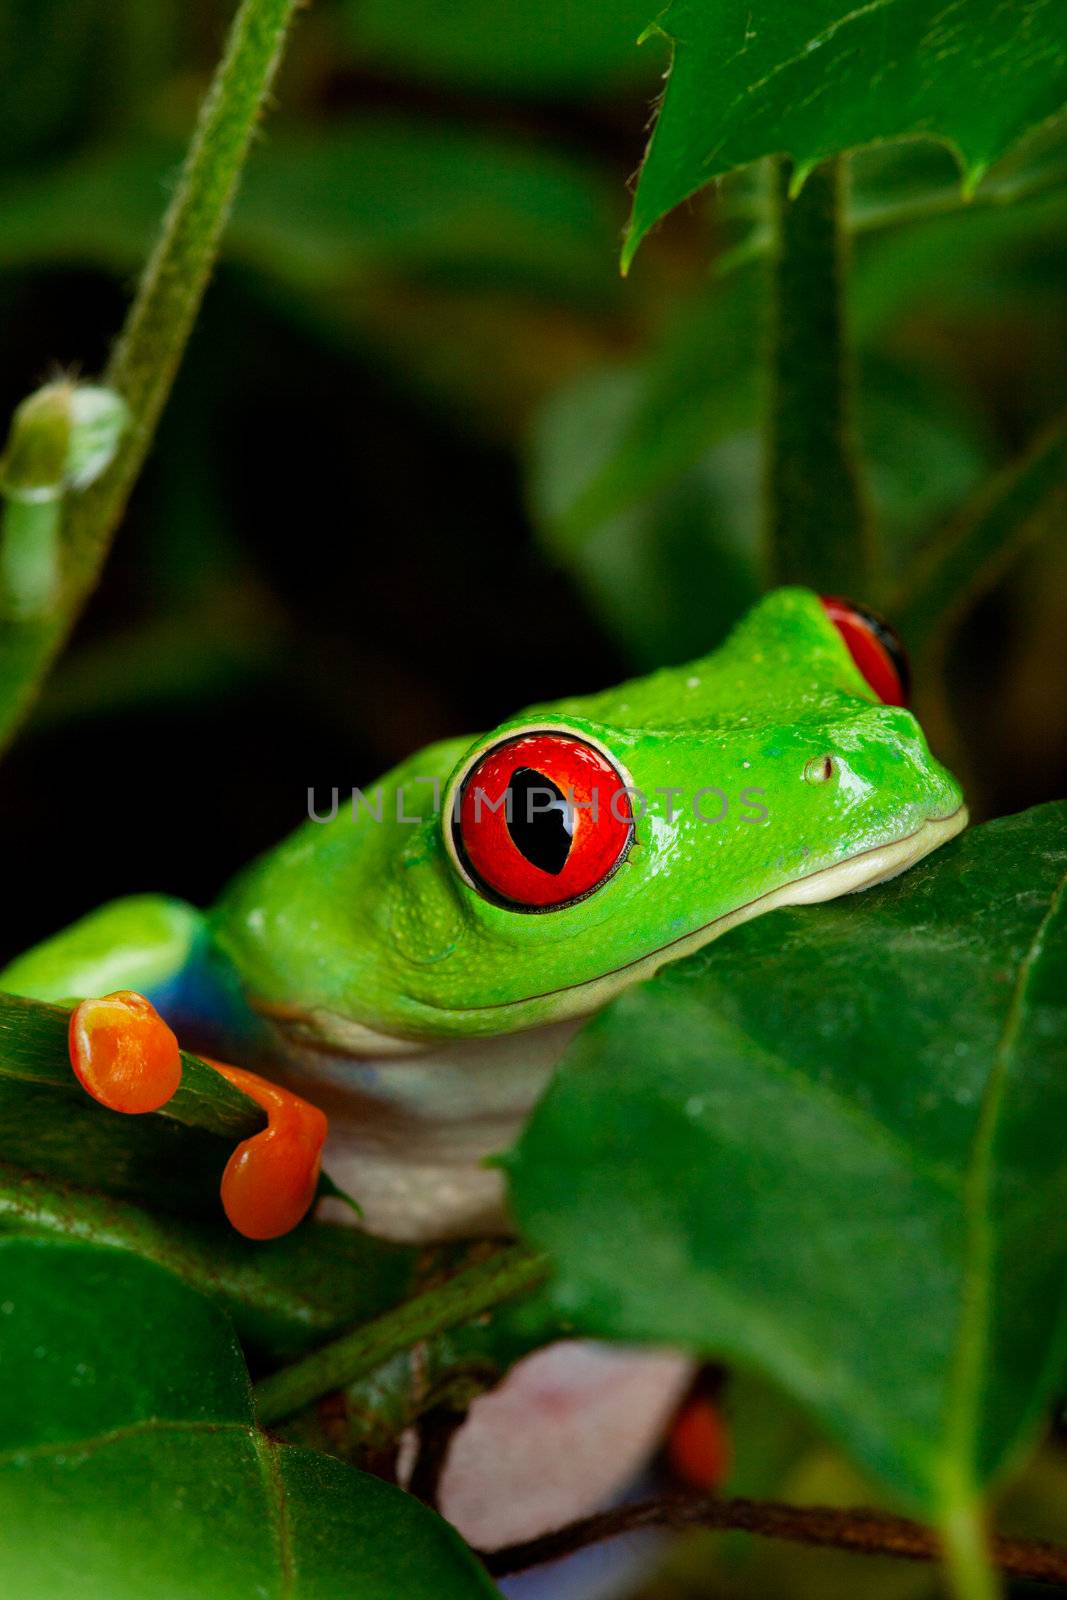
[[819, 769]]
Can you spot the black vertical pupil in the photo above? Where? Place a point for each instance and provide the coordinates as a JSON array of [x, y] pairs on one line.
[[540, 821]]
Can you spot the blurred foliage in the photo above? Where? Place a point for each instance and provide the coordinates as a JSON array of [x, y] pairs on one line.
[[573, 48], [551, 474]]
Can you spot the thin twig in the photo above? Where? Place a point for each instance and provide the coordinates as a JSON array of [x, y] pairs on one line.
[[863, 1531]]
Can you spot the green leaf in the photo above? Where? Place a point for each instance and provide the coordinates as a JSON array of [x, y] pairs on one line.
[[130, 1463], [833, 1141], [49, 1125], [897, 188], [563, 47], [284, 1295], [34, 1050], [916, 181], [696, 382], [816, 77], [624, 432], [645, 479], [669, 573]]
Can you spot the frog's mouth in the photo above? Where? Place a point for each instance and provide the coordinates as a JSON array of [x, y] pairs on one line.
[[328, 1034], [863, 870]]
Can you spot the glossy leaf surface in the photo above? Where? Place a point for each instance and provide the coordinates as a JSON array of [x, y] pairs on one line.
[[817, 77], [833, 1142], [130, 1463]]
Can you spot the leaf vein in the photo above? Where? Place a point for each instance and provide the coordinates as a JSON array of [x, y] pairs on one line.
[[805, 50], [973, 1335], [99, 1441], [274, 1483]]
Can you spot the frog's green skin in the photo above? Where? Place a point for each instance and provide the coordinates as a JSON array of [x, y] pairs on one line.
[[362, 965]]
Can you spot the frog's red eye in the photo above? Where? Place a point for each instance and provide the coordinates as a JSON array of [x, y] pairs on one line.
[[542, 820], [874, 646]]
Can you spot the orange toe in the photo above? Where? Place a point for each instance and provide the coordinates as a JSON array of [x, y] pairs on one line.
[[123, 1053], [270, 1180], [125, 1056], [699, 1445]]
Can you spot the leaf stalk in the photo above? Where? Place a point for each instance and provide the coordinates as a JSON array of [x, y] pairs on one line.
[[817, 531], [510, 1271]]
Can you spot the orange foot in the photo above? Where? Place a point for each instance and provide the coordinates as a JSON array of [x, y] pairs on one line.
[[698, 1446], [125, 1056]]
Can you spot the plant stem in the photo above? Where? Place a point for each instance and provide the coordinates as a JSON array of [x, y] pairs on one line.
[[508, 1272], [159, 323], [886, 216], [865, 1532], [968, 1566], [817, 531]]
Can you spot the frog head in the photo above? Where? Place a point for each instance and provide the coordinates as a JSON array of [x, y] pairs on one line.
[[525, 877]]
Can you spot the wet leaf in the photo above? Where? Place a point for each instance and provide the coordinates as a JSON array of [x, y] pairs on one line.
[[130, 1463], [815, 78], [49, 1125], [833, 1140], [284, 1295]]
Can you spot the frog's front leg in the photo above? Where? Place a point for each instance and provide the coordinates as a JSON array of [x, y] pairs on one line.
[[144, 942], [126, 1056]]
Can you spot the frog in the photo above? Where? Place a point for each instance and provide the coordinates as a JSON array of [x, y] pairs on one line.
[[415, 959]]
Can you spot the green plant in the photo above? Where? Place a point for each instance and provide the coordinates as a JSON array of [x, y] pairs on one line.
[[901, 1275]]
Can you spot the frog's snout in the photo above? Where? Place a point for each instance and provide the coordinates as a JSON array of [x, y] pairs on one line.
[[882, 760]]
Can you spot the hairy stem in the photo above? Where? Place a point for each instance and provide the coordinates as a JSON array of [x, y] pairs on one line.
[[159, 323], [508, 1272], [817, 531], [865, 1532], [884, 216]]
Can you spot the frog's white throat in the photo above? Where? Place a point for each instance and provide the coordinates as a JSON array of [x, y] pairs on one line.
[[411, 1124]]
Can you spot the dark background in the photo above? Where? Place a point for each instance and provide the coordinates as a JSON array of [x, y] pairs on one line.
[[344, 544]]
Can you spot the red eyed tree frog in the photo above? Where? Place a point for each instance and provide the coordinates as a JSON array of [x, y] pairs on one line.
[[416, 962]]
